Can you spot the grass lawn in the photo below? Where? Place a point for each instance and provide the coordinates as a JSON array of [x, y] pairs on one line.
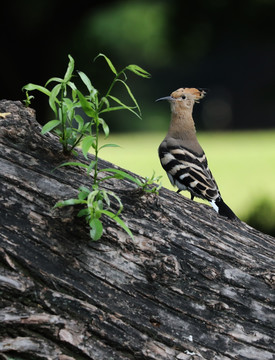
[[243, 163]]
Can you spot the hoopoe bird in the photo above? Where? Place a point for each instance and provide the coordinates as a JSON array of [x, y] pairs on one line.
[[183, 158]]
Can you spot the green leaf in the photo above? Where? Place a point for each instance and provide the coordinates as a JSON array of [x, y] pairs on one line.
[[130, 93], [96, 229], [86, 144], [70, 69], [86, 81], [91, 166], [105, 193], [69, 202], [68, 102], [86, 105], [58, 132], [83, 194], [56, 79], [113, 108], [119, 221], [84, 188], [53, 97], [49, 126], [42, 89], [119, 174], [83, 212], [105, 101], [79, 119], [99, 206], [91, 197], [72, 85], [72, 163], [105, 127], [138, 71], [111, 193], [126, 107], [108, 145], [111, 66]]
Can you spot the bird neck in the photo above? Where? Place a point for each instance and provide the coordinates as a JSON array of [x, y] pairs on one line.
[[182, 125]]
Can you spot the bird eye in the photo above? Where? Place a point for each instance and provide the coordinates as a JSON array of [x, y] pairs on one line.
[[183, 97]]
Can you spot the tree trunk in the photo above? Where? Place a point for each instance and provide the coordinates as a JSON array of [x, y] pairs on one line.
[[191, 285]]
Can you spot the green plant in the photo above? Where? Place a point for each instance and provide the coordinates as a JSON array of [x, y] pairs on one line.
[[96, 201], [147, 185], [151, 185], [65, 98], [28, 99], [64, 104]]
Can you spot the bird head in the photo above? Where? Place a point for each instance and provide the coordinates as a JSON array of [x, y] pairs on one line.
[[184, 97]]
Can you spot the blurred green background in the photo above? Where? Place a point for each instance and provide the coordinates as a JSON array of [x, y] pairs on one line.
[[225, 46]]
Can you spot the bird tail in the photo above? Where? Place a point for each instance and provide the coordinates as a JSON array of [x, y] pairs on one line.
[[225, 210]]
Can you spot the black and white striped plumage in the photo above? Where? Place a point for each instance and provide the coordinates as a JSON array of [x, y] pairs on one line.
[[182, 157]]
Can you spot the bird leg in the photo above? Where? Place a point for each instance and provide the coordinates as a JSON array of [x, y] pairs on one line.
[[192, 196]]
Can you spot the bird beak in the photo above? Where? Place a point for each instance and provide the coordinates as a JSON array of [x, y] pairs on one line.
[[169, 98]]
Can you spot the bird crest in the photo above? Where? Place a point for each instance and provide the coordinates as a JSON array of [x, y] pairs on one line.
[[195, 93]]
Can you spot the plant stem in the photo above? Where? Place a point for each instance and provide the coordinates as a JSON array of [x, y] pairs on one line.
[[97, 125], [64, 142], [77, 142], [96, 148], [110, 89], [99, 107]]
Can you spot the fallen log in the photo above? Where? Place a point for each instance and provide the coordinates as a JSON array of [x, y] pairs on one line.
[[191, 285]]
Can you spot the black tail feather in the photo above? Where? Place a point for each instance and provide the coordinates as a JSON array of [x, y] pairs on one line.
[[225, 210]]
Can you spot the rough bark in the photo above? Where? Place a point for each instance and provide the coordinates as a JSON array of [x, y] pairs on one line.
[[191, 285]]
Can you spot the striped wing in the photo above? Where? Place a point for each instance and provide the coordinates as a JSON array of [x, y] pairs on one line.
[[189, 171]]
